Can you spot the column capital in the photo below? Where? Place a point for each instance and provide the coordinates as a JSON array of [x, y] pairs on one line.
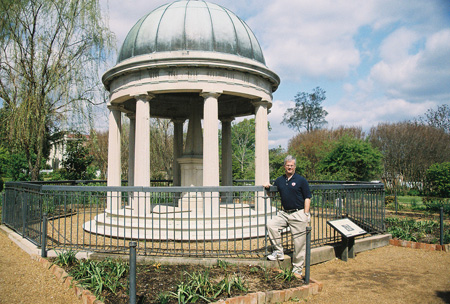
[[178, 120], [144, 95], [227, 119], [114, 107], [257, 103], [215, 94]]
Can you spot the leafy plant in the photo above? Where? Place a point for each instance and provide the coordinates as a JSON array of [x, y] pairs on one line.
[[198, 286], [163, 298], [438, 180], [66, 258], [412, 230], [434, 204], [100, 275], [286, 274], [222, 264]]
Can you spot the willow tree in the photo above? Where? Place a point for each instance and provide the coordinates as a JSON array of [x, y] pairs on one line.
[[52, 52]]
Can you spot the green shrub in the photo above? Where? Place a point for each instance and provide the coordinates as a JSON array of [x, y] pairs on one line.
[[434, 204], [438, 180], [99, 275], [389, 199], [409, 229], [66, 258]]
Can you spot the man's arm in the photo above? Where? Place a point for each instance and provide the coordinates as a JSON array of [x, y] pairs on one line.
[[307, 205]]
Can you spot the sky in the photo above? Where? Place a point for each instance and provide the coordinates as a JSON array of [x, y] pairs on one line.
[[378, 60]]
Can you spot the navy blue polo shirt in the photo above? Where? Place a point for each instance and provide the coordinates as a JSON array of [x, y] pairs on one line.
[[293, 192]]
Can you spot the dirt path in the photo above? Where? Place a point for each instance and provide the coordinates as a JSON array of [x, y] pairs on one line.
[[385, 275], [23, 280]]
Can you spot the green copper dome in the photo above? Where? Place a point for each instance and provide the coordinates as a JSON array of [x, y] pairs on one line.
[[191, 25]]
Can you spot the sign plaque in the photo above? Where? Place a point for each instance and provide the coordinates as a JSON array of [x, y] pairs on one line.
[[346, 227]]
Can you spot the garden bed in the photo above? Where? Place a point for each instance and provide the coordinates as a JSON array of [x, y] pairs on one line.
[[159, 283]]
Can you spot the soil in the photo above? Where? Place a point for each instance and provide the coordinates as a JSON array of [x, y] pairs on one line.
[[154, 280], [384, 275]]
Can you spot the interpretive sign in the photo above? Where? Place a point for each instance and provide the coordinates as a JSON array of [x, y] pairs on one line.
[[346, 227]]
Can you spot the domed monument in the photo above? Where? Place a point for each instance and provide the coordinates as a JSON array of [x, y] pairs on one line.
[[188, 61]]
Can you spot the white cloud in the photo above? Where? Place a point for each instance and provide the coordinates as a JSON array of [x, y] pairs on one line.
[[280, 134], [368, 113], [425, 74]]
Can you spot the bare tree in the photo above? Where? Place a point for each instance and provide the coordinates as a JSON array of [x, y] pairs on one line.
[[51, 52], [161, 148], [409, 149], [439, 118]]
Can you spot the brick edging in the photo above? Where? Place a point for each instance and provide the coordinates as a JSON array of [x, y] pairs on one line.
[[276, 296], [272, 296], [416, 245], [85, 295]]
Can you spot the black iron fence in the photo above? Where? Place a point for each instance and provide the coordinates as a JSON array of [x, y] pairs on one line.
[[177, 221]]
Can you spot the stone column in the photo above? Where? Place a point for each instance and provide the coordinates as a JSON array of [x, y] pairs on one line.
[[227, 161], [114, 165], [142, 151], [177, 149], [261, 150], [211, 150], [131, 148], [210, 139]]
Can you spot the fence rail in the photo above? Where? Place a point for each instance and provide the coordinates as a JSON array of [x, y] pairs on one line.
[[177, 221]]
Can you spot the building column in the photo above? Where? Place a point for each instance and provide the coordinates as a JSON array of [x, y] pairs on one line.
[[177, 150], [142, 150], [211, 151], [131, 146], [227, 161], [210, 139], [114, 165], [261, 144]]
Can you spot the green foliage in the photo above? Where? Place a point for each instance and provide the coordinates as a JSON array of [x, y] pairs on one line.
[[52, 53], [198, 286], [243, 149], [18, 168], [434, 204], [438, 180], [66, 258], [351, 159], [77, 160], [100, 275], [310, 147], [286, 274], [389, 199], [276, 162], [411, 230], [222, 264], [308, 112]]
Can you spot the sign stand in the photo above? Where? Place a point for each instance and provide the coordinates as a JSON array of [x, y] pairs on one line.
[[348, 231]]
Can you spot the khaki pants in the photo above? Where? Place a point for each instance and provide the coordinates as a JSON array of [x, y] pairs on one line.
[[297, 222]]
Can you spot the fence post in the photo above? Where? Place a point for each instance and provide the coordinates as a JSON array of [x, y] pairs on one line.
[[3, 204], [442, 226], [265, 222], [308, 254], [24, 214], [133, 272], [396, 202], [44, 236]]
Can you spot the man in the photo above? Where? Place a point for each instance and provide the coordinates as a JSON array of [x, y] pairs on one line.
[[295, 200]]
